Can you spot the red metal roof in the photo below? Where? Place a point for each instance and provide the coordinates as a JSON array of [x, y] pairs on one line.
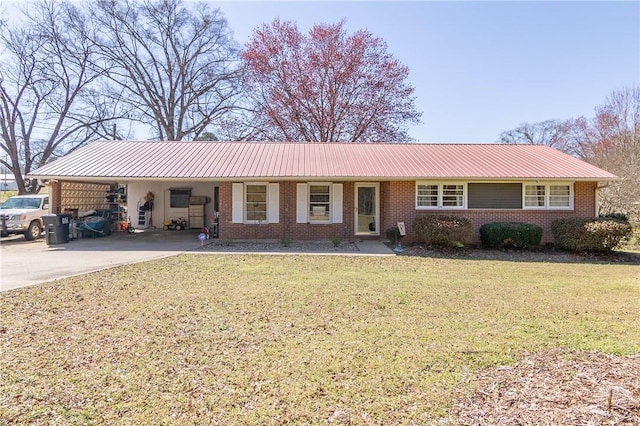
[[129, 160]]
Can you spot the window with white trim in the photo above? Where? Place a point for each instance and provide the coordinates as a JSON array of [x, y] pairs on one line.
[[440, 195], [320, 203], [548, 196], [427, 196], [255, 203], [534, 196], [559, 196]]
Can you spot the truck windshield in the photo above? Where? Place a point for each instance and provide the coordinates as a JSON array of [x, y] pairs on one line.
[[21, 203]]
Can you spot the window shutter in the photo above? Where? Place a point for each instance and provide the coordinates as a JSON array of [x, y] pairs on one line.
[[237, 203], [336, 203], [302, 204], [273, 211]]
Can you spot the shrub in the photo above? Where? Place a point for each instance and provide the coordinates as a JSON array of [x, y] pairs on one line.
[[285, 241], [445, 231], [510, 234], [336, 240], [393, 234], [617, 216], [584, 234]]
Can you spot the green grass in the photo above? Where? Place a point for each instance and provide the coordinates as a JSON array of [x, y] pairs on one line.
[[202, 339]]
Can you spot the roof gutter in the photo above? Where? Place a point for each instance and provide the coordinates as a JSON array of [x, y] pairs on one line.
[[42, 179]]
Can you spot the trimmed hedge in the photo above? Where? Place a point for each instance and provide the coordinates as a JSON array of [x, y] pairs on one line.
[[510, 234], [445, 231], [586, 234]]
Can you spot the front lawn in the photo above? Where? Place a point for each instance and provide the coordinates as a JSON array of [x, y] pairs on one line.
[[235, 339]]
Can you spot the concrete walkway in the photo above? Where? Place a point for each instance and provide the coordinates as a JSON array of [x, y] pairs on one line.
[[24, 263], [374, 247]]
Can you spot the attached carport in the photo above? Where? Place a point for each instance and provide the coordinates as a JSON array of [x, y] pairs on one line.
[[147, 203]]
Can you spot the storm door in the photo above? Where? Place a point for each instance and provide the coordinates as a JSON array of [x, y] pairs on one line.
[[367, 212]]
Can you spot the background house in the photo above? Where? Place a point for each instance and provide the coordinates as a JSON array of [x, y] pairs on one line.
[[8, 182], [320, 191]]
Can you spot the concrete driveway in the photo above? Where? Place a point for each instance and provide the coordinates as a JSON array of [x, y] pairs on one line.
[[26, 263]]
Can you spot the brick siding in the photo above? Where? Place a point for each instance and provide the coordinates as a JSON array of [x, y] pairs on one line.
[[397, 204], [400, 207], [287, 226]]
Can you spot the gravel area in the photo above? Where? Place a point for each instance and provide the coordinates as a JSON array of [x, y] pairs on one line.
[[279, 247], [541, 255]]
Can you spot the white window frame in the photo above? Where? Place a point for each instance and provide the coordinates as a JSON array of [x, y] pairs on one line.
[[239, 202], [303, 203], [309, 202], [440, 203], [547, 195], [245, 202]]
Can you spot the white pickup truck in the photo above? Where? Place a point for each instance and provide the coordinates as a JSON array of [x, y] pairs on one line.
[[22, 214]]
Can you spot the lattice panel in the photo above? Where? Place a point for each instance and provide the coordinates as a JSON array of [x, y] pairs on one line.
[[84, 196]]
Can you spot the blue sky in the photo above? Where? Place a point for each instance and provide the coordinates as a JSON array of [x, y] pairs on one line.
[[480, 68]]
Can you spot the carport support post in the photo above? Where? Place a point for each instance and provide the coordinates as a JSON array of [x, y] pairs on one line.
[[55, 197]]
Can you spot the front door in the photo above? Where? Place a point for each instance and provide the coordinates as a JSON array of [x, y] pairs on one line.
[[367, 209]]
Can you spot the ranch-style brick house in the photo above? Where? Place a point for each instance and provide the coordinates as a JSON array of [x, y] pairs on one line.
[[302, 191]]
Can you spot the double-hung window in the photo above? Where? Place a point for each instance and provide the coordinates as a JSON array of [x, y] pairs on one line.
[[440, 195], [255, 203], [320, 203], [534, 196], [427, 196], [452, 196], [560, 196], [548, 196]]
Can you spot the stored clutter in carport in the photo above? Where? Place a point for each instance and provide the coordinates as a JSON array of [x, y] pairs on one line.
[[92, 212], [141, 204]]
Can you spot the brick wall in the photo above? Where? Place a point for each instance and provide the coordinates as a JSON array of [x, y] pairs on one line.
[[397, 204], [400, 207], [287, 226], [55, 197]]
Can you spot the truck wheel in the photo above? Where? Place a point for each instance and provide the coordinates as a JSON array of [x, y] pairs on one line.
[[33, 232]]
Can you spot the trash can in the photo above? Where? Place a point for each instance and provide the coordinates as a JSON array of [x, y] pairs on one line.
[[56, 227]]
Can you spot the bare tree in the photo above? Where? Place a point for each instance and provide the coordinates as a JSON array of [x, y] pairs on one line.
[[47, 107], [611, 140], [550, 133], [176, 67]]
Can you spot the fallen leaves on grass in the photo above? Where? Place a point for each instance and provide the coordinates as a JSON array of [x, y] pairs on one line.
[[238, 339], [555, 387]]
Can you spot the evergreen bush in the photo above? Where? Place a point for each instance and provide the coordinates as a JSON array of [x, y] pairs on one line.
[[510, 234]]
